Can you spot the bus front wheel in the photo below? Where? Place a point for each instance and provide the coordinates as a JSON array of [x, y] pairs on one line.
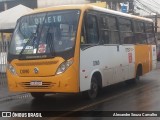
[[37, 95], [93, 91]]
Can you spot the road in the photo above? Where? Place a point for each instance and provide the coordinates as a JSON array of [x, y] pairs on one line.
[[142, 96]]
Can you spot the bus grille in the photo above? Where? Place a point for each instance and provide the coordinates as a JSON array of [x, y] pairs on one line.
[[45, 85], [37, 63]]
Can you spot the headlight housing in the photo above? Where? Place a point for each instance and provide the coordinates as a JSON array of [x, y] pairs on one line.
[[64, 66], [11, 69]]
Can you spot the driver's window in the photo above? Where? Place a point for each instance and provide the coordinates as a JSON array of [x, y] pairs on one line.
[[91, 29]]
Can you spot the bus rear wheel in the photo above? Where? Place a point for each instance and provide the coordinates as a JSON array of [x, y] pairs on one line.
[[92, 93], [37, 95]]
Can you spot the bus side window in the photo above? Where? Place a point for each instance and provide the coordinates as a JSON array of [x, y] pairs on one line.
[[150, 33], [126, 32], [140, 36], [114, 34], [104, 29], [108, 29], [91, 29]]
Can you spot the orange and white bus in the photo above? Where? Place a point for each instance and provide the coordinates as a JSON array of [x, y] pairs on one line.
[[78, 48]]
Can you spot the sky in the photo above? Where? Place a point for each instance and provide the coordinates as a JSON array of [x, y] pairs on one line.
[[147, 7]]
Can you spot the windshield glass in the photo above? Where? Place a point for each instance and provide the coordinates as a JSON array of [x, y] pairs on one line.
[[44, 33]]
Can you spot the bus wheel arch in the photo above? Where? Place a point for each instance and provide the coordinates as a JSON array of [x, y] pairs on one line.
[[139, 71], [95, 86], [98, 76]]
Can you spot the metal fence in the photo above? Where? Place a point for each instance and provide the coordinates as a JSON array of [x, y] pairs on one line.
[[3, 61]]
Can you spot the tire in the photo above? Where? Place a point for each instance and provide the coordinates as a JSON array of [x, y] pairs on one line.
[[92, 93], [37, 95]]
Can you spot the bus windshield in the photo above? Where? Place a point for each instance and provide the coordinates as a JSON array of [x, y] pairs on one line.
[[45, 33]]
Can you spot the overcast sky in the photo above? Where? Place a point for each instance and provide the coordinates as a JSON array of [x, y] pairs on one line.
[[148, 6]]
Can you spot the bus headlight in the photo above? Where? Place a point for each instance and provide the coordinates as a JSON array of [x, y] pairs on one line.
[[64, 66], [11, 69]]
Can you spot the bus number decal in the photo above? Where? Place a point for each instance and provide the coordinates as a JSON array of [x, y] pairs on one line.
[[96, 63], [129, 49], [24, 71]]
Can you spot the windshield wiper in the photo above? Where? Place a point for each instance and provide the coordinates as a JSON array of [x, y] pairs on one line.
[[24, 47], [50, 43], [32, 37]]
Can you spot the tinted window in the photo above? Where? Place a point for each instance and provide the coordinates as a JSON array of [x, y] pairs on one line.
[[125, 25], [127, 37], [149, 27], [91, 29], [126, 32], [139, 26], [112, 23], [115, 37], [104, 22], [140, 36], [108, 29], [150, 33]]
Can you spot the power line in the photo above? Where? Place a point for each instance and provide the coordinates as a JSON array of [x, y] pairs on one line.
[[156, 2], [144, 6], [150, 4], [140, 8]]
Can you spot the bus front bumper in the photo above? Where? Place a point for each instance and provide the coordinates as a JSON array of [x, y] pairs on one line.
[[56, 84]]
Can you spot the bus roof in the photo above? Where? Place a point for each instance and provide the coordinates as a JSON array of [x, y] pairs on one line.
[[89, 7]]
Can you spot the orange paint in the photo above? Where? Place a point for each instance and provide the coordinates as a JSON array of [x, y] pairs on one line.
[[143, 56]]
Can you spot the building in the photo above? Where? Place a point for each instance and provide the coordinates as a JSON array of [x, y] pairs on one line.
[[7, 4]]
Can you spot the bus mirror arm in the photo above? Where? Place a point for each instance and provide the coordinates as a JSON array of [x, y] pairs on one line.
[[118, 48]]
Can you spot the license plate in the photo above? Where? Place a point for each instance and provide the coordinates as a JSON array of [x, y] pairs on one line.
[[35, 83]]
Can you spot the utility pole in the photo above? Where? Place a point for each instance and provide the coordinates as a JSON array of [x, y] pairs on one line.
[[5, 5], [131, 6], [156, 23]]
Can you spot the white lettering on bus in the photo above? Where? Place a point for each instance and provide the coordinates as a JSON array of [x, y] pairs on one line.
[[49, 19]]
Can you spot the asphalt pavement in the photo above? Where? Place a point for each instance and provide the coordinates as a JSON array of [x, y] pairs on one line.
[[5, 94]]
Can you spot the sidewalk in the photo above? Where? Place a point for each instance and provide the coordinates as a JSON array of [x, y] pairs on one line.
[[5, 94]]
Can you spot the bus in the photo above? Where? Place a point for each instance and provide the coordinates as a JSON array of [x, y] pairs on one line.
[[78, 48]]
